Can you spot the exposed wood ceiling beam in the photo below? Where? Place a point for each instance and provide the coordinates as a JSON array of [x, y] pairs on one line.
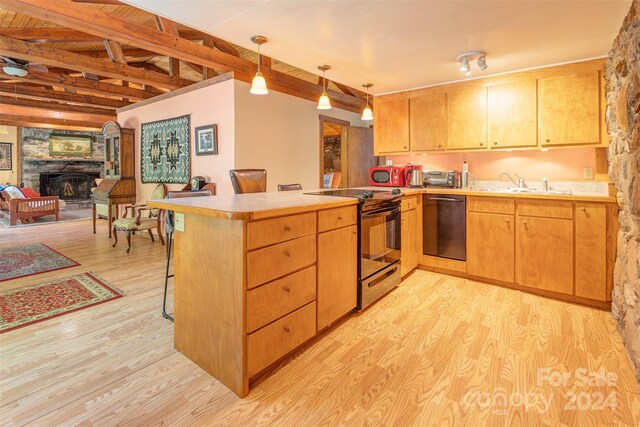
[[128, 53], [114, 50], [40, 93], [113, 2], [20, 110], [74, 61], [150, 67], [56, 35], [56, 106], [208, 72], [30, 121], [66, 13], [92, 127], [168, 26], [88, 86]]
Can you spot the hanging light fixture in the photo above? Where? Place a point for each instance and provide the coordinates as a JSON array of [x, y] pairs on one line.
[[259, 85], [324, 103], [367, 114]]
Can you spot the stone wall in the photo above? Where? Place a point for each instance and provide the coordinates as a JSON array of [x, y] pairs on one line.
[[332, 154], [622, 74], [36, 157]]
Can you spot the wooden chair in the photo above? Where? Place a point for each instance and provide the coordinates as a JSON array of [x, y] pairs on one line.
[[168, 228], [137, 222], [23, 208], [289, 187], [248, 180]]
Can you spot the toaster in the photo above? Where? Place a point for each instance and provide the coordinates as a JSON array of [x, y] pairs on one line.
[[440, 178]]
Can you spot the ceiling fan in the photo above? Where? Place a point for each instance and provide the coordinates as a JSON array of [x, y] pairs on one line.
[[18, 68]]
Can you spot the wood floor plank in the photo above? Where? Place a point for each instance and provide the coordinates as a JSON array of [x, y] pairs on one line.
[[420, 356]]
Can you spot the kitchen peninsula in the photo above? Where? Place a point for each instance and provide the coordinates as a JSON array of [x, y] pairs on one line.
[[258, 275]]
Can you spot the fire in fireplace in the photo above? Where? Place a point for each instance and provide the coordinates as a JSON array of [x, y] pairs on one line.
[[68, 185]]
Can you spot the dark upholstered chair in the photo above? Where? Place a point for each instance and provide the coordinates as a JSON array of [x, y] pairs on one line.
[[168, 228], [248, 180], [289, 187]]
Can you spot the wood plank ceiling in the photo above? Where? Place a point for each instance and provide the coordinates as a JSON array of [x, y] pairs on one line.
[[102, 55]]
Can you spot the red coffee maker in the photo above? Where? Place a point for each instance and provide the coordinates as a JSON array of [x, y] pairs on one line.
[[413, 175]]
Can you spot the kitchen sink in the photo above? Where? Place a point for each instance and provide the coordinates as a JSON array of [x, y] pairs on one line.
[[524, 191]]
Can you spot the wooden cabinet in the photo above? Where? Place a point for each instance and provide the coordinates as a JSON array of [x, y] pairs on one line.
[[409, 240], [591, 251], [544, 253], [491, 246], [391, 126], [467, 119], [512, 114], [337, 274], [428, 122], [569, 109]]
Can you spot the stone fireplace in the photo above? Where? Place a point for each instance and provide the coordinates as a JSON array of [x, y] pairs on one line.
[[622, 74]]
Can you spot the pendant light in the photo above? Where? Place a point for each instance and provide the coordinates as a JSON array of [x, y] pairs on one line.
[[324, 103], [367, 114], [259, 85]]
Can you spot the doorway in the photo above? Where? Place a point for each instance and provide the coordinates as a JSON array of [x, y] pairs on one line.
[[346, 154]]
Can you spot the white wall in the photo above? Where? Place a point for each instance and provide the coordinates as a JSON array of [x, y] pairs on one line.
[[207, 105], [281, 133], [10, 176]]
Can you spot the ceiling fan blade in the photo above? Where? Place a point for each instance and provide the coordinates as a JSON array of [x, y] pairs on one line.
[[37, 68]]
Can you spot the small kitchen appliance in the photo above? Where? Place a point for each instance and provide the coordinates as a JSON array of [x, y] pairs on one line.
[[440, 178], [387, 176], [413, 175]]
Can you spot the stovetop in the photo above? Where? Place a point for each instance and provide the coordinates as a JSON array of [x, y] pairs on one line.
[[362, 195]]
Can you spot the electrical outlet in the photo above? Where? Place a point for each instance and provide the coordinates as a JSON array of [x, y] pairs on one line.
[[588, 173], [178, 221]]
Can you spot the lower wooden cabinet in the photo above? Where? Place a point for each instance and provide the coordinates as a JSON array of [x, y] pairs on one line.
[[544, 253], [491, 246], [410, 251], [337, 274], [591, 251]]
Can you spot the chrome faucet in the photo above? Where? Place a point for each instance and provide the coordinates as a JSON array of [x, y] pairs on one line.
[[520, 183], [545, 184]]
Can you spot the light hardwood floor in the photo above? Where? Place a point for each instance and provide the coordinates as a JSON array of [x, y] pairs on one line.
[[434, 352]]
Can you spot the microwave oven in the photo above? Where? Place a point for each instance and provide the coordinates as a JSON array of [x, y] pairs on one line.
[[387, 176]]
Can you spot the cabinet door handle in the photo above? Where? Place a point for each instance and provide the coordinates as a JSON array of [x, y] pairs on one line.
[[286, 329], [287, 228], [495, 142], [287, 289], [508, 221], [340, 218], [481, 144], [547, 140], [287, 253], [582, 208]]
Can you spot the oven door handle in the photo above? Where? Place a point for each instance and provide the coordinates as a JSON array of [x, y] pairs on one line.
[[444, 199], [377, 212]]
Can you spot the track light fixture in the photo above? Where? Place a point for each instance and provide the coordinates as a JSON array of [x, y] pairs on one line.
[[367, 114], [466, 58], [324, 103], [259, 85]]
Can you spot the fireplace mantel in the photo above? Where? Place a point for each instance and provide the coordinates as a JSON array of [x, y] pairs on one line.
[[35, 159]]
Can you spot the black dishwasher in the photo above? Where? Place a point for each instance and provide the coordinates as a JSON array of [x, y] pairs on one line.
[[444, 226]]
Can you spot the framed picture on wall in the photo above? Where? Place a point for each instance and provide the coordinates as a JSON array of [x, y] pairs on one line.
[[206, 140], [5, 157]]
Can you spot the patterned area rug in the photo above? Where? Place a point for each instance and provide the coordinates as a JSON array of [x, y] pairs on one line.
[[27, 305], [28, 260]]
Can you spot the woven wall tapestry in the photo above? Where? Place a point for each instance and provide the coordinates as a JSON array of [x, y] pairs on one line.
[[165, 150]]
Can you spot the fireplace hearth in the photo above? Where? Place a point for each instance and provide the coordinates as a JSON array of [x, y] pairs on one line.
[[68, 185]]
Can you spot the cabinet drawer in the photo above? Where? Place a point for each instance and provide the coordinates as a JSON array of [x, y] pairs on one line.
[[491, 205], [336, 218], [272, 262], [271, 231], [409, 202], [545, 208], [273, 300], [274, 341]]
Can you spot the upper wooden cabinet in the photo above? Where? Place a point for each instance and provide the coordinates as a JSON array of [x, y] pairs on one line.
[[391, 126], [467, 119], [569, 109], [512, 114], [428, 122]]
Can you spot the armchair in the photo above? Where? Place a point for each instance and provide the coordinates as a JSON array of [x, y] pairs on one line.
[[25, 209], [137, 223]]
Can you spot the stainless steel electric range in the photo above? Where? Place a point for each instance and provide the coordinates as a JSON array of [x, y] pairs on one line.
[[379, 223]]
